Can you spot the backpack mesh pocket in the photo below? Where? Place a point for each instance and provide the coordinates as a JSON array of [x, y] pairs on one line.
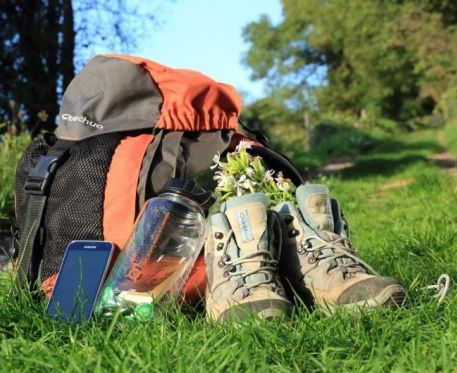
[[74, 209]]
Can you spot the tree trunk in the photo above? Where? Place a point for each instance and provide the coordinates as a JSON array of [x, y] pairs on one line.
[[39, 44], [67, 67]]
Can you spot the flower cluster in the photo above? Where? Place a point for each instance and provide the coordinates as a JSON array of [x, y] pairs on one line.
[[244, 174]]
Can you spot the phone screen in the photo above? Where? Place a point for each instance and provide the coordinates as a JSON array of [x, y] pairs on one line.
[[80, 278]]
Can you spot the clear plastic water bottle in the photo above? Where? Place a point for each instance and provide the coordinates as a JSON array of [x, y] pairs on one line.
[[167, 238]]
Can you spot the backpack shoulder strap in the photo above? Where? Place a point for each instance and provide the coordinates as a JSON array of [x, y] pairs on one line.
[[37, 187]]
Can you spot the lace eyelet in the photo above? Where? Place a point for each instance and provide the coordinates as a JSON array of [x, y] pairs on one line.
[[220, 246], [225, 258], [312, 260], [220, 264], [345, 273], [288, 219], [219, 235], [293, 233]]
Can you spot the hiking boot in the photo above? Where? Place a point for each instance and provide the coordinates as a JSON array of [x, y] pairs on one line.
[[319, 262], [241, 256]]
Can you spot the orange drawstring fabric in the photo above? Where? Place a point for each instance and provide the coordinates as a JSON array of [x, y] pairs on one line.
[[191, 100]]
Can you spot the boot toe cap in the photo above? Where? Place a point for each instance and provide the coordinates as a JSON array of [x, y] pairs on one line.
[[373, 292]]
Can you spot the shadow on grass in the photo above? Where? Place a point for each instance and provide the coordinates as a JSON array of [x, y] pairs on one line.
[[390, 156], [395, 146], [384, 166], [375, 154]]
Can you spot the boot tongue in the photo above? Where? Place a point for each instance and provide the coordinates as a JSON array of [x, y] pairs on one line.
[[247, 216], [316, 208], [314, 203]]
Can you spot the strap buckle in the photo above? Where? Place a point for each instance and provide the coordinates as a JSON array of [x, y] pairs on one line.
[[38, 180]]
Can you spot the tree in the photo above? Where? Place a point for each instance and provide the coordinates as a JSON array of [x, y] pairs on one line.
[[112, 25], [41, 40], [360, 59], [277, 123], [30, 56]]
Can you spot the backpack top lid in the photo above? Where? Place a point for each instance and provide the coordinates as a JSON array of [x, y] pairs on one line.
[[116, 93]]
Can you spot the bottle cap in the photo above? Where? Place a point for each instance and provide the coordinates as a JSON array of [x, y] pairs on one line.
[[143, 311]]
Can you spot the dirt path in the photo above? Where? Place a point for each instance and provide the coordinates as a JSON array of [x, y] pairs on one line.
[[336, 165], [384, 188]]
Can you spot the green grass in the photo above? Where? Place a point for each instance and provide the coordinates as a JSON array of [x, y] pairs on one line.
[[409, 232], [450, 135], [11, 149]]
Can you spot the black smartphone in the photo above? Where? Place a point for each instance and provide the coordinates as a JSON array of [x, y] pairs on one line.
[[81, 275]]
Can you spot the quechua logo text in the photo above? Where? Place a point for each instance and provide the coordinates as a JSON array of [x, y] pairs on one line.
[[82, 119]]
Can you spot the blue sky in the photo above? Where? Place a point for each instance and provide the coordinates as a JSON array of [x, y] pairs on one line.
[[206, 35]]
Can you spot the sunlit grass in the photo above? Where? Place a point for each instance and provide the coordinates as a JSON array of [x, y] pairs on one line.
[[11, 148], [450, 135]]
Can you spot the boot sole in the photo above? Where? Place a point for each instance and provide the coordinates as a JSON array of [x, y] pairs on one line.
[[268, 309], [391, 297]]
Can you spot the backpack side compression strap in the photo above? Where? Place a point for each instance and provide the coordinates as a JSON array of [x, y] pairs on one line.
[[37, 187]]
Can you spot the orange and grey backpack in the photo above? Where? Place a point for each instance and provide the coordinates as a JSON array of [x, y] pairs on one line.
[[126, 125]]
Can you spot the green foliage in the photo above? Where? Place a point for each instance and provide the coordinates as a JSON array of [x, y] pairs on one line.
[[11, 148], [332, 140], [408, 232], [360, 59], [283, 127]]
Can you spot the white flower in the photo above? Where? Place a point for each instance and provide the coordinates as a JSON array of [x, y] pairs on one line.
[[243, 144], [269, 175], [244, 184], [249, 184], [279, 178], [283, 184], [216, 160], [242, 178], [249, 172], [224, 181], [219, 176]]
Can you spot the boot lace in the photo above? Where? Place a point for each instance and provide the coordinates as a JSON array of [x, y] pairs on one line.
[[268, 263], [339, 248]]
